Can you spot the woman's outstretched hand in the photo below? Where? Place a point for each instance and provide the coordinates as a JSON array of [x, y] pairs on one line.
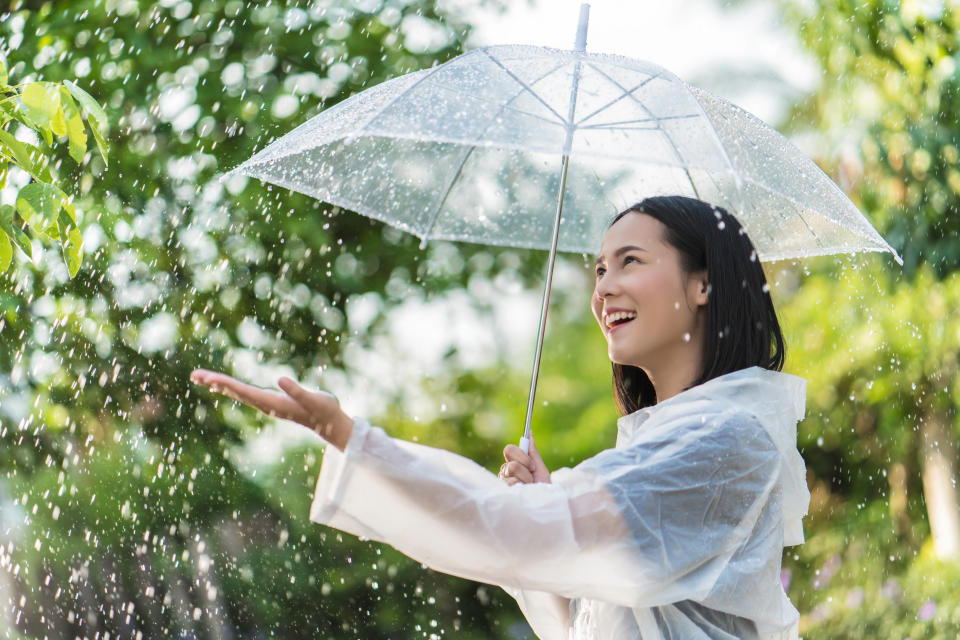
[[316, 410], [521, 467]]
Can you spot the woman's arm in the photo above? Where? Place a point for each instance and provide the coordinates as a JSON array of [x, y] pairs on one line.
[[547, 613], [657, 522], [643, 526]]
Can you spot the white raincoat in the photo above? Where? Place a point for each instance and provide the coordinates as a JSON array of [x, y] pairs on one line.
[[676, 533]]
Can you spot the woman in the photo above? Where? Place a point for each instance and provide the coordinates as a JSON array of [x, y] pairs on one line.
[[678, 531]]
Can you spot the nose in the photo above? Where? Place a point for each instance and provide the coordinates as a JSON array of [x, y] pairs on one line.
[[606, 286]]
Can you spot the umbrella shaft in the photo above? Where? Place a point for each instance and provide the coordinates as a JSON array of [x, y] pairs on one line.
[[545, 303]]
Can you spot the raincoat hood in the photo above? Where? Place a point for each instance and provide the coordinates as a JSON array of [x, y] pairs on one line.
[[776, 399]]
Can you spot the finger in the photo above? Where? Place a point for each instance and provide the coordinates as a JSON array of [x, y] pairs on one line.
[[540, 471], [204, 376], [311, 400], [214, 380], [511, 481], [322, 409], [535, 457], [518, 471], [270, 402], [513, 453]]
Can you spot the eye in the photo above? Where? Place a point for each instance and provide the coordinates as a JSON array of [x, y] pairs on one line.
[[630, 259], [600, 270]]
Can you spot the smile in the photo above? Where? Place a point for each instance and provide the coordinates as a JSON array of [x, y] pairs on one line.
[[615, 320]]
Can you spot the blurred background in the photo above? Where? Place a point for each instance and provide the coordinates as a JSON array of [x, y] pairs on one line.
[[135, 506]]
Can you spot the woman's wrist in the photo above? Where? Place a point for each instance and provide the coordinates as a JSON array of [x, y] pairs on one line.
[[337, 429]]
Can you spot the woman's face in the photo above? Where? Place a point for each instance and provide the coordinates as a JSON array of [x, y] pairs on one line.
[[650, 310]]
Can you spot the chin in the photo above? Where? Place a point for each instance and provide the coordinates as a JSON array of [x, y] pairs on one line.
[[623, 360]]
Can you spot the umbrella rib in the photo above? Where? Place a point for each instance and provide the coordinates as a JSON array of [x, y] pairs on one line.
[[507, 104], [527, 87], [800, 208], [618, 98], [446, 194], [683, 163], [397, 97], [463, 161], [619, 124], [676, 151], [625, 93]]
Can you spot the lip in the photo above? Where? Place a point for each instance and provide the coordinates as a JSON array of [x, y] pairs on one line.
[[607, 312]]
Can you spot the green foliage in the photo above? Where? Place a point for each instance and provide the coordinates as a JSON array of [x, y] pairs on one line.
[[854, 579], [879, 347], [237, 545], [890, 91], [879, 352], [54, 111]]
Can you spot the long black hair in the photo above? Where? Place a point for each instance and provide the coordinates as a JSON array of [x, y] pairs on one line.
[[742, 327]]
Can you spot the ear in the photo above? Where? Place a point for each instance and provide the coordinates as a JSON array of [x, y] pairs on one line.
[[698, 288]]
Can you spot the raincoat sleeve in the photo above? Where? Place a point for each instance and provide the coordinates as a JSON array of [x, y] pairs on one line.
[[644, 525]]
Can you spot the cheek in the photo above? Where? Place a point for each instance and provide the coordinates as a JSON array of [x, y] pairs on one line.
[[596, 306], [661, 293]]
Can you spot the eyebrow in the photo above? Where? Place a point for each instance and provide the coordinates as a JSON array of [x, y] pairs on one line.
[[619, 252]]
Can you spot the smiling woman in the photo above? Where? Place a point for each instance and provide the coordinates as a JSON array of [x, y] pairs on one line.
[[683, 241], [678, 531], [650, 308]]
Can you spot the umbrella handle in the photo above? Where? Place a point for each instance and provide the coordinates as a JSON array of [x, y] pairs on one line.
[[525, 444]]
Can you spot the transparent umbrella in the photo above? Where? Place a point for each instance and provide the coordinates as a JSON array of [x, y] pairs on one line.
[[533, 147]]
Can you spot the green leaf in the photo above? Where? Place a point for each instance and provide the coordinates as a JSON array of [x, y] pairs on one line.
[[77, 139], [69, 208], [3, 73], [6, 251], [101, 143], [58, 124], [41, 102], [10, 110], [92, 107], [47, 135], [73, 252], [71, 244], [7, 225], [39, 203], [18, 151], [76, 134]]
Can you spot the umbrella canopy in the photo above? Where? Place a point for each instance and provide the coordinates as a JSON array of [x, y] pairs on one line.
[[470, 150]]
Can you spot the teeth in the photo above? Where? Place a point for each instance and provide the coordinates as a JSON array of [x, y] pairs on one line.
[[615, 317]]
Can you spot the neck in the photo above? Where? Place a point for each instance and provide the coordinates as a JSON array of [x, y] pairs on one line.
[[676, 371]]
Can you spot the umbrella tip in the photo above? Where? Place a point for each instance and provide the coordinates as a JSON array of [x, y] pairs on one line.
[[581, 44]]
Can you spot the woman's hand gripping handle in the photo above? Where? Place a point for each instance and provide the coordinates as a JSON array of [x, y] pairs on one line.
[[522, 467]]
